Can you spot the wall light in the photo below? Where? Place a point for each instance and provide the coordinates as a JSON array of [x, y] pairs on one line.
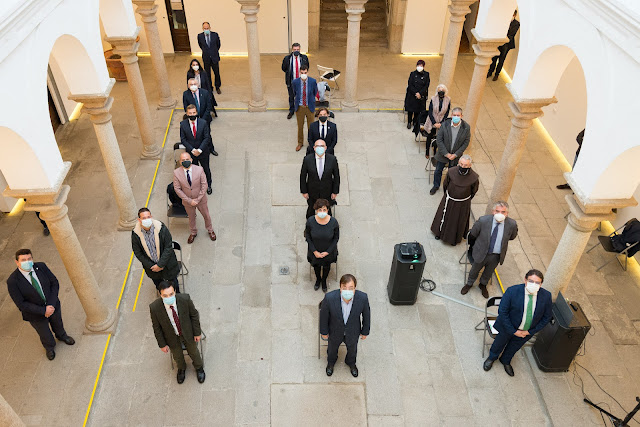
[[144, 53], [17, 208], [76, 111], [553, 147], [420, 54]]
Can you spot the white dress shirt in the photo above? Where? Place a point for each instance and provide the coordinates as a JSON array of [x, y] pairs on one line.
[[170, 314], [526, 303], [35, 276], [319, 162]]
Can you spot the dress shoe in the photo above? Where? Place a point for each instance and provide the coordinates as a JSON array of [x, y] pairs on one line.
[[483, 289], [214, 152], [437, 237], [298, 147], [218, 91], [426, 155], [408, 125], [46, 231], [317, 285], [489, 75], [200, 374], [509, 370], [354, 370], [563, 187], [68, 340], [213, 236], [329, 370], [51, 354], [289, 115], [433, 190], [465, 289], [487, 364], [180, 376], [495, 77], [209, 191], [191, 238], [324, 286]]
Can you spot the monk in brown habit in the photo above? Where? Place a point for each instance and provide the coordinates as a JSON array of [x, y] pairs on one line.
[[451, 222]]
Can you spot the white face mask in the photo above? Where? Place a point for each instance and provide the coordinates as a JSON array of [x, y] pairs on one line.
[[499, 217], [193, 88], [419, 68], [532, 288], [195, 67], [303, 76], [147, 222]]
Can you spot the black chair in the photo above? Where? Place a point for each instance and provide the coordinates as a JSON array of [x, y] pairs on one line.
[[620, 243], [175, 209], [320, 339], [487, 323], [183, 268], [184, 351]]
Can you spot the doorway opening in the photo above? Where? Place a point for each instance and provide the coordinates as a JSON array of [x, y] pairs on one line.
[[178, 25]]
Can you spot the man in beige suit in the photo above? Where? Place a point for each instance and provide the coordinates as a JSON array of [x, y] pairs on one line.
[[190, 184]]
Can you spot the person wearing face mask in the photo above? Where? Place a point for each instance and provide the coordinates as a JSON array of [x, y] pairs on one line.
[[305, 90], [345, 316], [34, 290], [514, 26], [322, 233], [451, 222], [291, 65], [176, 323], [415, 101], [152, 245], [196, 71], [438, 112], [209, 42], [488, 243], [323, 129], [196, 138], [452, 138], [319, 177], [200, 98], [524, 310]]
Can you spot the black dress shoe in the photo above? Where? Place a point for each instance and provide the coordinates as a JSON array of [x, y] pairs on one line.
[[214, 152], [354, 370], [46, 231], [329, 370], [495, 77], [68, 340], [408, 125], [180, 377], [437, 237], [509, 370], [51, 354], [487, 364], [200, 374], [563, 187], [433, 190], [324, 288], [289, 115], [209, 190], [317, 285]]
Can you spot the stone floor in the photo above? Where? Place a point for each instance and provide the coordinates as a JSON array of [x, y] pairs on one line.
[[421, 364]]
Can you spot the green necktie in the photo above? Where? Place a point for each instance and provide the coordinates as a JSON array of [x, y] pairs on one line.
[[527, 319], [35, 285]]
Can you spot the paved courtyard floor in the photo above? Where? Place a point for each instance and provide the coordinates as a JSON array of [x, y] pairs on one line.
[[421, 365]]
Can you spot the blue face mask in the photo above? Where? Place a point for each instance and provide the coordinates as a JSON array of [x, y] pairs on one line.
[[322, 215], [455, 120], [26, 265], [320, 151], [347, 295], [169, 301], [207, 32]]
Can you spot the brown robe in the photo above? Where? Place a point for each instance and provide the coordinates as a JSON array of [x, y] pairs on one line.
[[456, 218]]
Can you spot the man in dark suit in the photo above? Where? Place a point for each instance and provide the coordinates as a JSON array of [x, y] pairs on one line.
[[34, 290], [452, 139], [201, 98], [176, 322], [524, 310], [323, 129], [196, 138], [209, 43], [505, 48], [305, 90], [340, 321], [488, 242], [291, 65], [319, 177]]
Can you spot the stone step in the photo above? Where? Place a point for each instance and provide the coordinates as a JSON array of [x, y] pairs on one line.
[[339, 43]]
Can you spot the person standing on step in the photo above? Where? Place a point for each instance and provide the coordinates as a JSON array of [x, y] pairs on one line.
[[209, 42], [452, 138], [291, 65], [322, 233], [415, 101]]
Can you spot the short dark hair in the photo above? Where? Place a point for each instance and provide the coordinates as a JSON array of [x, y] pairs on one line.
[[321, 109], [304, 67], [23, 252], [295, 45], [348, 278], [165, 284], [321, 203], [141, 210], [534, 272], [191, 107], [420, 62]]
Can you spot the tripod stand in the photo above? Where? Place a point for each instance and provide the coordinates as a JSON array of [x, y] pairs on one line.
[[617, 422]]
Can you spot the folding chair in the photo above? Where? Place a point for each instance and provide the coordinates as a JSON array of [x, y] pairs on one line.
[[430, 167], [607, 245], [488, 321], [320, 339], [184, 350], [329, 74], [177, 147], [183, 268], [175, 210]]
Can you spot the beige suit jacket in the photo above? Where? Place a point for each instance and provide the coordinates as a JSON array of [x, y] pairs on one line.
[[198, 188]]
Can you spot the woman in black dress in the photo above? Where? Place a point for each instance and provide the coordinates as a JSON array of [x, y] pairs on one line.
[[322, 233], [195, 71], [415, 100]]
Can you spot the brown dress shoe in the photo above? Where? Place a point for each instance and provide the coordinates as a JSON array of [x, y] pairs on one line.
[[465, 289], [191, 237], [218, 90], [483, 289], [495, 77], [213, 236], [298, 147]]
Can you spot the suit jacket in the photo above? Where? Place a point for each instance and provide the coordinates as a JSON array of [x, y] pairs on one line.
[[286, 67], [332, 322], [512, 308], [166, 255], [514, 26], [211, 52], [443, 138], [314, 134], [204, 97], [187, 315], [202, 139], [312, 91], [27, 299], [320, 188], [480, 237], [198, 188]]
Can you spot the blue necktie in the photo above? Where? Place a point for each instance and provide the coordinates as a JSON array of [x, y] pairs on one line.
[[494, 237], [195, 95]]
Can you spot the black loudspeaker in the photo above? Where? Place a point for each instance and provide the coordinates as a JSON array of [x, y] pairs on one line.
[[406, 273], [558, 343]]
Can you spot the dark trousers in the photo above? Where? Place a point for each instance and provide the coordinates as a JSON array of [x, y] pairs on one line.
[[192, 350], [430, 136], [176, 285], [508, 345], [44, 326], [292, 108], [203, 160], [322, 272], [489, 263], [499, 59], [44, 224], [437, 175], [412, 118], [208, 66], [310, 203], [332, 350]]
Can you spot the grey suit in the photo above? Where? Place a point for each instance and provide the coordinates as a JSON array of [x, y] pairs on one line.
[[479, 238], [444, 140]]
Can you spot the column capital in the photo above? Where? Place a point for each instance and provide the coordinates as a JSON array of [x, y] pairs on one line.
[[459, 9], [97, 105], [146, 9], [354, 7], [586, 219], [588, 206], [486, 48], [249, 7], [41, 196]]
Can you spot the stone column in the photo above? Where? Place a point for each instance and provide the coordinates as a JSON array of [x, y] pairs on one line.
[[98, 106], [458, 9], [314, 25], [485, 49], [524, 111], [8, 416], [147, 11], [355, 9], [395, 29], [127, 48], [250, 9], [51, 205]]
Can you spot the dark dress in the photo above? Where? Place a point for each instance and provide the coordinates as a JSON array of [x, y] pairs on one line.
[[322, 238], [418, 82], [456, 217]]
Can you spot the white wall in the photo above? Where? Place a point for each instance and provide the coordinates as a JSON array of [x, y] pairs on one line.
[[300, 25], [61, 84], [424, 25], [163, 29]]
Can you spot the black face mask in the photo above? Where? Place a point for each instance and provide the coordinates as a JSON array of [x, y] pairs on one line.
[[193, 118], [441, 94], [323, 118], [463, 171], [186, 163], [296, 52]]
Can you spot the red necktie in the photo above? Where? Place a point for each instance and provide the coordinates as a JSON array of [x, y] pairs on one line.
[[304, 93], [193, 127], [297, 67], [175, 319]]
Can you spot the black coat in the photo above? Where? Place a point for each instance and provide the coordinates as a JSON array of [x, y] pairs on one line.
[[514, 26], [27, 299], [202, 139], [211, 52], [205, 83], [314, 134], [443, 139], [332, 322], [286, 67], [166, 255], [320, 188], [418, 83], [205, 102]]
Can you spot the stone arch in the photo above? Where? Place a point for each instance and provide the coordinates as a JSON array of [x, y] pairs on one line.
[[17, 157], [78, 68], [544, 76], [494, 18], [621, 176], [117, 17]]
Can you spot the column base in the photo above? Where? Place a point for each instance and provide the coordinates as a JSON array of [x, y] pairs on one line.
[[126, 224], [108, 326], [151, 153], [259, 106], [167, 103], [350, 107]]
